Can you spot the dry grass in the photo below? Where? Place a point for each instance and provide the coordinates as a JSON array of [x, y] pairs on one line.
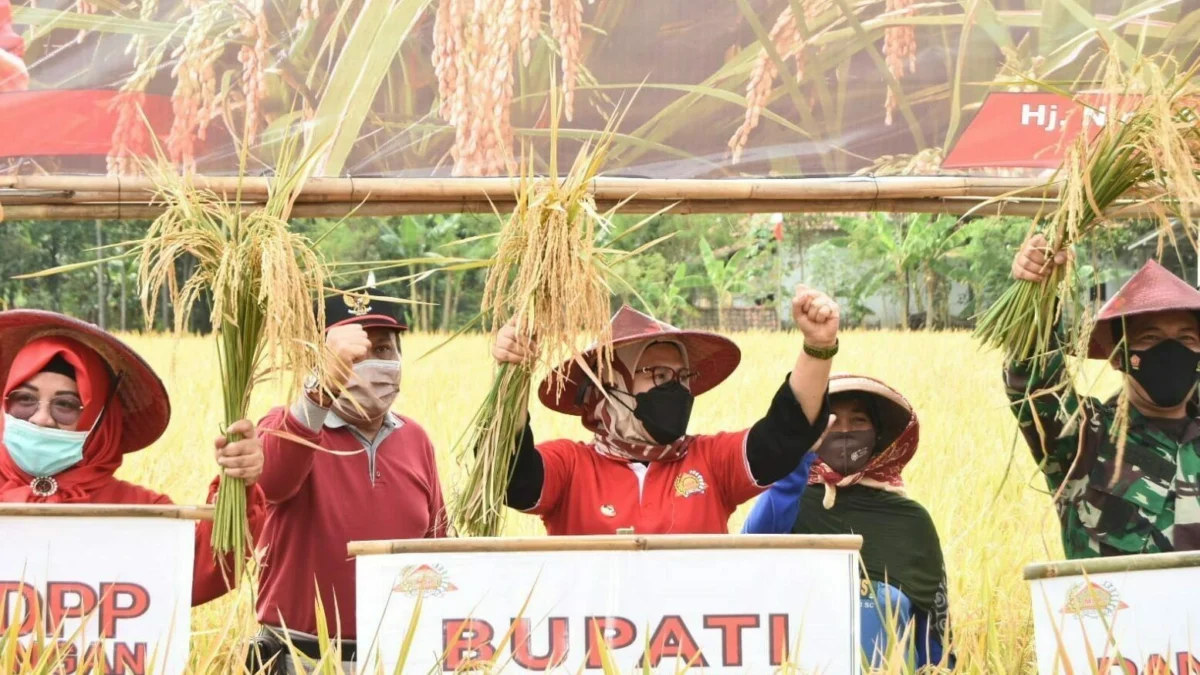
[[993, 515]]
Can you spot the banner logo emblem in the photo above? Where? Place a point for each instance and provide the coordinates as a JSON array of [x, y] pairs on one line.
[[430, 580], [1093, 601]]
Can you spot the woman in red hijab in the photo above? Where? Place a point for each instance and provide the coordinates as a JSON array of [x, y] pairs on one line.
[[76, 400]]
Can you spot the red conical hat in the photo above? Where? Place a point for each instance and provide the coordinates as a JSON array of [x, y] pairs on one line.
[[144, 400], [1153, 289], [712, 356]]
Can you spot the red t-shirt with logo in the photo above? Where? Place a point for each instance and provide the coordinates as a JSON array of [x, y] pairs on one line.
[[585, 493]]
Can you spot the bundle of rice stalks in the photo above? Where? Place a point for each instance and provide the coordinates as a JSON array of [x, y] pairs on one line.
[[551, 276], [262, 279], [1147, 151]]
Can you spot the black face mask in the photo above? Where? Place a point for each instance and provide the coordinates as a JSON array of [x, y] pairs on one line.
[[847, 452], [664, 411], [1167, 371]]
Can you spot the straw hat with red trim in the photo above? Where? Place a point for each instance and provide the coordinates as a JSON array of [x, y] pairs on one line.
[[713, 357], [147, 409], [1153, 289], [894, 412]]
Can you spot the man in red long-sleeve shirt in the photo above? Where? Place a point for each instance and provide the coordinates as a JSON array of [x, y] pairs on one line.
[[378, 479]]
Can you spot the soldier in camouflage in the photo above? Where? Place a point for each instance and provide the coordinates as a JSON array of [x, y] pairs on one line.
[[1149, 331]]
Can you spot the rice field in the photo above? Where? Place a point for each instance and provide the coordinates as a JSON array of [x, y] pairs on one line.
[[983, 490]]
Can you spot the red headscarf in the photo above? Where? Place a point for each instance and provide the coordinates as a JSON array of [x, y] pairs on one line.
[[101, 453]]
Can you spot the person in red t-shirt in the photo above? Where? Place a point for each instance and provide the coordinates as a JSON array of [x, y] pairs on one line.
[[76, 401], [13, 74], [642, 473], [345, 468]]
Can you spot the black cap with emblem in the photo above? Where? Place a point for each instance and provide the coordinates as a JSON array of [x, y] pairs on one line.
[[358, 307]]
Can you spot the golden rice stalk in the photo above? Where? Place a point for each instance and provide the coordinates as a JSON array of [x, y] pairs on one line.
[[1149, 150], [447, 44], [193, 101], [566, 20], [131, 137], [899, 50], [550, 276], [475, 45], [254, 56], [789, 43], [262, 279], [531, 27]]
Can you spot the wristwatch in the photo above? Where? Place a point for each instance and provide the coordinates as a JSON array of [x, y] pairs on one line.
[[310, 383], [823, 353], [315, 392]]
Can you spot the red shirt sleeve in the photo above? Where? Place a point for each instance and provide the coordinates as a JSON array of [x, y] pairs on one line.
[[558, 464], [726, 454], [286, 463], [9, 40]]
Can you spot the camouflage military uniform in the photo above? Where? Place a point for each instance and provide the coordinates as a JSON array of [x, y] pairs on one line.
[[1153, 507]]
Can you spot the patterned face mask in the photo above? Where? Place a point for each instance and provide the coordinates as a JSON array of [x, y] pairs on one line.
[[847, 452]]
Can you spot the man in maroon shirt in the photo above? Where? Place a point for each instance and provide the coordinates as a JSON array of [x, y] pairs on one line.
[[345, 469]]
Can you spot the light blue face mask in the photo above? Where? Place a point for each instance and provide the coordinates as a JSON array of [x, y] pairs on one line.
[[39, 451]]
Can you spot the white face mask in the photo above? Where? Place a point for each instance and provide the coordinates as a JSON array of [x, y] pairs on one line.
[[41, 451], [369, 394]]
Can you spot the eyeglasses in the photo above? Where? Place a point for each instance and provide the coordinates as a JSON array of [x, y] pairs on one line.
[[23, 405], [665, 374]]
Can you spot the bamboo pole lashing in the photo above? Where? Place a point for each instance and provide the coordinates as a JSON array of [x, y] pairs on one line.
[[840, 542], [174, 511]]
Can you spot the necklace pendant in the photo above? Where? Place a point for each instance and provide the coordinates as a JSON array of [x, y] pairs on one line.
[[43, 486]]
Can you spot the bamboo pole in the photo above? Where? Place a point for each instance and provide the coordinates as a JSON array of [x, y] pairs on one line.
[[1116, 564], [106, 511], [108, 198], [140, 189], [838, 542], [948, 205]]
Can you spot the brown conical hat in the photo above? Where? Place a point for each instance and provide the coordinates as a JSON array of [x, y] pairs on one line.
[[712, 356], [1152, 289]]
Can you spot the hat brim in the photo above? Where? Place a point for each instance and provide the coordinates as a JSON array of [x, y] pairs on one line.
[[713, 357], [895, 412], [147, 407]]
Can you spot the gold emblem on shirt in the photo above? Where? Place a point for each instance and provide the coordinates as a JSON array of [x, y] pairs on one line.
[[608, 510], [690, 483]]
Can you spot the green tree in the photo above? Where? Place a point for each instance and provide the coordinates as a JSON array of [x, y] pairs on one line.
[[725, 278]]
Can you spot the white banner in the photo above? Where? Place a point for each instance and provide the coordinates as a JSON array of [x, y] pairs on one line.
[[723, 610], [117, 586], [1121, 623]]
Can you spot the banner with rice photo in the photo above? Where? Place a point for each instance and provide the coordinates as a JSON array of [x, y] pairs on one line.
[[1130, 615], [96, 586], [719, 604], [710, 89]]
